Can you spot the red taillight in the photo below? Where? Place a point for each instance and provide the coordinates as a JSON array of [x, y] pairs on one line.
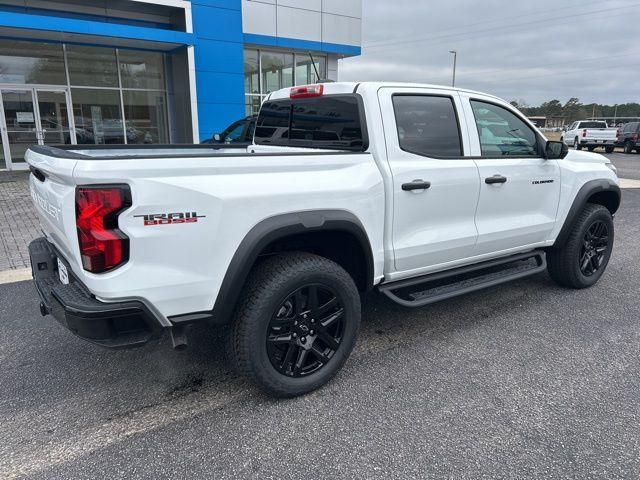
[[618, 133], [584, 132], [307, 91], [102, 245]]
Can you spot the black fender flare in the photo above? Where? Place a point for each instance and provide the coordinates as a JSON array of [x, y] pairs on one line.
[[587, 191], [275, 228]]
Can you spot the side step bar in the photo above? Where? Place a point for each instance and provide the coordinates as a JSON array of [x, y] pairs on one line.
[[434, 287]]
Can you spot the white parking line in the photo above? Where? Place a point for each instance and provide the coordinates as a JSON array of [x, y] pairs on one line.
[[13, 276], [628, 183]]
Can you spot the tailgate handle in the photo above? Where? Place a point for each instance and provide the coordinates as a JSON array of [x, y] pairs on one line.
[[37, 173]]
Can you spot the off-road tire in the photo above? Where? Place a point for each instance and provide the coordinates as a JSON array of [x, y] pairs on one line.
[[269, 284], [563, 263]]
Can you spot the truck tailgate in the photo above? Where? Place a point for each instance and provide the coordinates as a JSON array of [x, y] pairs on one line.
[[602, 134], [53, 192]]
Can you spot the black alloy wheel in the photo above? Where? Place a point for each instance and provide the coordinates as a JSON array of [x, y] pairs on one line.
[[296, 323], [582, 258], [305, 331], [594, 248]]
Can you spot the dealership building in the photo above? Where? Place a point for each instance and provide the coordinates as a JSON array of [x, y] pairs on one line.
[[156, 71]]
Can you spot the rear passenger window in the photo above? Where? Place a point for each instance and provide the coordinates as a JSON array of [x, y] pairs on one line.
[[502, 133], [427, 125]]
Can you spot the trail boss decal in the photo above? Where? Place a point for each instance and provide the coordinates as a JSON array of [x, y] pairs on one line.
[[169, 218]]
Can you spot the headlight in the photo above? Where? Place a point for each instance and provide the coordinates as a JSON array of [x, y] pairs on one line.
[[612, 167]]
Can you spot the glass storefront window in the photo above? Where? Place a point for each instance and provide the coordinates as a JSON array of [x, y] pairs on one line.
[[92, 66], [305, 73], [141, 69], [252, 104], [31, 62], [114, 96], [277, 71], [266, 71], [98, 116], [145, 115], [251, 72]]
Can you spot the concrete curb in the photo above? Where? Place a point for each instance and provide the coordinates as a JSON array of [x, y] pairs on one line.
[[13, 276], [628, 183]]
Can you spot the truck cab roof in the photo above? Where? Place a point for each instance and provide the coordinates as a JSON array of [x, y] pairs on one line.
[[338, 88]]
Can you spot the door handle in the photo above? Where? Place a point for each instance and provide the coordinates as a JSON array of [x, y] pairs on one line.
[[495, 179], [416, 185]]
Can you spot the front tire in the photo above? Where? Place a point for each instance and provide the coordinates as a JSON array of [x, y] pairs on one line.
[[296, 323], [583, 258]]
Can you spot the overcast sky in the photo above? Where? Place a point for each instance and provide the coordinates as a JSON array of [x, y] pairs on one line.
[[526, 50]]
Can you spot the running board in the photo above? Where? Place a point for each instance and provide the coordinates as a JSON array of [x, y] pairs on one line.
[[434, 287]]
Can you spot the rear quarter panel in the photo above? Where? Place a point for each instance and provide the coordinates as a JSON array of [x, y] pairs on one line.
[[179, 268]]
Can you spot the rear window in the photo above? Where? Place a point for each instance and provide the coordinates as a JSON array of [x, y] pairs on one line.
[[330, 122], [592, 125], [427, 125]]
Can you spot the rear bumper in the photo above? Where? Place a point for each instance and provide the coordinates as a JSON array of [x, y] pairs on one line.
[[113, 325], [598, 143]]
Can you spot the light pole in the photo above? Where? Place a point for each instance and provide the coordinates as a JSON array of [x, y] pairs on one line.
[[455, 60]]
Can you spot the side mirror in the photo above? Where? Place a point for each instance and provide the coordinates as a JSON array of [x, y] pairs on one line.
[[556, 150], [217, 137]]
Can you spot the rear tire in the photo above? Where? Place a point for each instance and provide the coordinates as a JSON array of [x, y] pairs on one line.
[[628, 147], [584, 257], [284, 336]]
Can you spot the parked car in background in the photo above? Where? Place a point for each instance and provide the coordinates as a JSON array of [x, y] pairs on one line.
[[238, 132], [590, 134], [629, 137]]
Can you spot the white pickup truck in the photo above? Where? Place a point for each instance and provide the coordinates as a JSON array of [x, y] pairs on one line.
[[419, 192], [590, 134]]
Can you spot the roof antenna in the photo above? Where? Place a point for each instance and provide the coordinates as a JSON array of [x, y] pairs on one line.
[[314, 66], [320, 79]]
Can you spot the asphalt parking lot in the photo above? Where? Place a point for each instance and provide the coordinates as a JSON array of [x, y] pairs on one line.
[[628, 165], [526, 380]]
